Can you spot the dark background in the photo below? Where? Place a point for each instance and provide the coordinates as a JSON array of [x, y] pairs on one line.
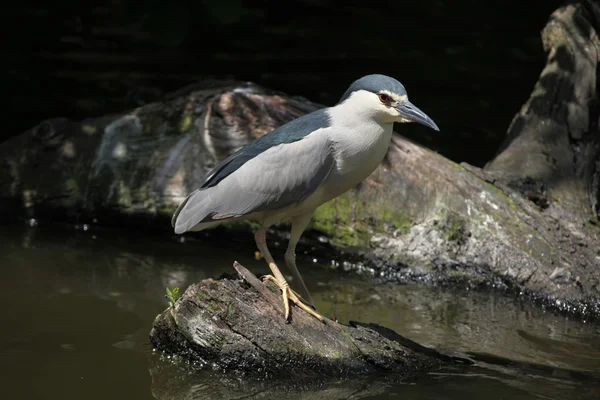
[[469, 64]]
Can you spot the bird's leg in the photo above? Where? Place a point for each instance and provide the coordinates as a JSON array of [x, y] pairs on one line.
[[272, 279], [277, 277], [299, 224]]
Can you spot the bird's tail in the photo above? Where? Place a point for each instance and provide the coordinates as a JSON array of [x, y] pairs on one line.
[[194, 209]]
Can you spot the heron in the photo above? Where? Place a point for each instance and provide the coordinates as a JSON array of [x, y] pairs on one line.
[[295, 168]]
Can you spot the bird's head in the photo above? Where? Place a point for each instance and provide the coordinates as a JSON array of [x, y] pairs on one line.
[[385, 99]]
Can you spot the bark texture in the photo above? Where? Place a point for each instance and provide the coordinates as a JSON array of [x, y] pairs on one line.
[[552, 150], [239, 325], [528, 220]]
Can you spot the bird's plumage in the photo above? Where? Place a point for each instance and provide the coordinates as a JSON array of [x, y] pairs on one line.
[[294, 169], [288, 133], [279, 169], [300, 165]]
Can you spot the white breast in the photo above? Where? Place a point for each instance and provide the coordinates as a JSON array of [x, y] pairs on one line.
[[360, 143], [357, 155], [358, 149]]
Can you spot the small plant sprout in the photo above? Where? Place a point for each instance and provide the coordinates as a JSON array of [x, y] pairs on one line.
[[172, 295]]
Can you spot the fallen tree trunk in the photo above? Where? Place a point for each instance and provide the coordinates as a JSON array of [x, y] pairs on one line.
[[527, 222], [239, 325]]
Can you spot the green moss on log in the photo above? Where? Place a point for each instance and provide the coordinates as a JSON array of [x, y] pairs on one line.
[[123, 195], [336, 219], [186, 122], [349, 221], [454, 228], [71, 186]]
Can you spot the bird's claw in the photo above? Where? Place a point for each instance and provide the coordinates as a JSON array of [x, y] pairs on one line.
[[290, 295]]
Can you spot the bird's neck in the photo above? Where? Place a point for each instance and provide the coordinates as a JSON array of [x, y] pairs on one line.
[[358, 127], [360, 143]]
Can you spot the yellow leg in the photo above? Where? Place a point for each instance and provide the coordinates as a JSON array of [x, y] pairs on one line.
[[299, 224], [291, 295], [293, 292], [287, 293]]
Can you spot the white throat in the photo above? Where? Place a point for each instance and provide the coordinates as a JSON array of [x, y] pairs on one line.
[[359, 138], [357, 127]]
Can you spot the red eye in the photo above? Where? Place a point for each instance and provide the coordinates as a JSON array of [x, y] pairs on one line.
[[384, 98]]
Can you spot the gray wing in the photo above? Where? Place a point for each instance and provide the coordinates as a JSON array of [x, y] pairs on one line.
[[276, 178]]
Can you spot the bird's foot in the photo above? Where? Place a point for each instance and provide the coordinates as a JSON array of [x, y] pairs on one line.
[[291, 296]]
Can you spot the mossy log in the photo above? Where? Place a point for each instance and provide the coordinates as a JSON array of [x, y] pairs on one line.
[[238, 324], [528, 221]]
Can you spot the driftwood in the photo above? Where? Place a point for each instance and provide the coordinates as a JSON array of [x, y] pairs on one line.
[[527, 222], [238, 325]]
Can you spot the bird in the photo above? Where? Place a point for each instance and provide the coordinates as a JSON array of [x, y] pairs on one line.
[[292, 170]]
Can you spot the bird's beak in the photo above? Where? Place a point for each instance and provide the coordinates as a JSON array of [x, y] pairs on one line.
[[411, 112]]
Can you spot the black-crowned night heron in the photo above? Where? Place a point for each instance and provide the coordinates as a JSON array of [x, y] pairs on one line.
[[292, 170]]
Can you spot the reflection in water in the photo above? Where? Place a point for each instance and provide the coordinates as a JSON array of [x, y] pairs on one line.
[[78, 308], [170, 381], [477, 322]]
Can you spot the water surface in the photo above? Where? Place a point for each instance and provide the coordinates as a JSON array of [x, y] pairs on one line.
[[78, 307]]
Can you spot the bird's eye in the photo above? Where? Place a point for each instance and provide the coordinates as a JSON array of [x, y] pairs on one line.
[[384, 98]]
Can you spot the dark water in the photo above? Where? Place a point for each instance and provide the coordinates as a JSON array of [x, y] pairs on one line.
[[78, 306]]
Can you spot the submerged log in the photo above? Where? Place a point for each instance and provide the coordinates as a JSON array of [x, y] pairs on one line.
[[238, 324]]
